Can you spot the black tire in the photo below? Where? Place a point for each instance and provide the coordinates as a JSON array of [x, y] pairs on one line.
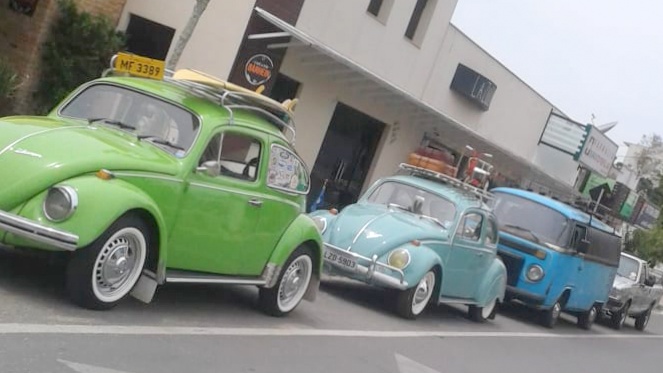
[[618, 318], [82, 289], [269, 298], [549, 317], [587, 319], [405, 298], [642, 320], [476, 313]]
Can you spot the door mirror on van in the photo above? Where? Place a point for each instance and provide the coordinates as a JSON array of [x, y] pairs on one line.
[[650, 281], [582, 246]]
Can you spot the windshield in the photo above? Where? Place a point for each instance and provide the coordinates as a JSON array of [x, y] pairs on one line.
[[414, 200], [169, 126], [530, 220], [628, 267]]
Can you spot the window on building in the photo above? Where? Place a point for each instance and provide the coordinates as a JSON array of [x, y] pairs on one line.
[[148, 38], [284, 88], [421, 16], [380, 9]]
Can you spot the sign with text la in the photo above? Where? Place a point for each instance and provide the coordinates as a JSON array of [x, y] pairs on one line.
[[598, 151]]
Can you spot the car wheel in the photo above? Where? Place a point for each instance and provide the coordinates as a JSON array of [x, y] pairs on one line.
[[412, 302], [481, 314], [549, 317], [291, 286], [642, 320], [103, 273], [618, 318], [586, 319]]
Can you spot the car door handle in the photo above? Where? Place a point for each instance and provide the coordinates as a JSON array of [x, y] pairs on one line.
[[255, 202]]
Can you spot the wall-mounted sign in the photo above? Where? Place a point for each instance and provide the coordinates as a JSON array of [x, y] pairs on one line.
[[563, 134], [26, 7], [258, 69], [476, 87], [647, 216], [598, 151], [629, 205]]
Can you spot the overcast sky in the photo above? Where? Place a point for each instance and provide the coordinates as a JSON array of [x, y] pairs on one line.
[[586, 56]]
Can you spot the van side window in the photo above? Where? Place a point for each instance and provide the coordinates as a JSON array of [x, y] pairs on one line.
[[579, 234]]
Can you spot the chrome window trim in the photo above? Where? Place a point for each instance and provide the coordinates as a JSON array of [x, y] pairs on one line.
[[147, 176], [84, 87]]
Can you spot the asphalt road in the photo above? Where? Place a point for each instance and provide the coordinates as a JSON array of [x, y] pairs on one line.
[[350, 328]]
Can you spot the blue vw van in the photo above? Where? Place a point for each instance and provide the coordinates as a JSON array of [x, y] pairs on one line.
[[558, 258]]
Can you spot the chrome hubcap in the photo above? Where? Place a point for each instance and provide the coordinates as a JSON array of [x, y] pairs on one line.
[[294, 283], [118, 264], [423, 293], [557, 309]]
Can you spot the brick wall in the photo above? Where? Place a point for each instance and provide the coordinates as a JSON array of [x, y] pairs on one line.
[[22, 36]]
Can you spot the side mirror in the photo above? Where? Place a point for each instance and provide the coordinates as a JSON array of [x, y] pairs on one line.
[[650, 281], [211, 168], [583, 246]]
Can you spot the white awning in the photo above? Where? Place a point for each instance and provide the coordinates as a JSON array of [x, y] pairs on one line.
[[312, 52]]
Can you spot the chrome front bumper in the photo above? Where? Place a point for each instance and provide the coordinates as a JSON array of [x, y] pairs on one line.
[[370, 274], [33, 231]]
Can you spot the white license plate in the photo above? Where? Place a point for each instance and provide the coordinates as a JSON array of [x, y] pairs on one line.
[[340, 259]]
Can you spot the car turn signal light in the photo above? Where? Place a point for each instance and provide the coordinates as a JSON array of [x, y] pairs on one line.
[[104, 174]]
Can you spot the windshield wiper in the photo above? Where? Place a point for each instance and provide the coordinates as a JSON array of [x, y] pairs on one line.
[[112, 122], [161, 141], [433, 219], [522, 229], [396, 205]]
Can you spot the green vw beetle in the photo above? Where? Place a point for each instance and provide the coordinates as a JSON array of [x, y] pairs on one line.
[[426, 235], [186, 179]]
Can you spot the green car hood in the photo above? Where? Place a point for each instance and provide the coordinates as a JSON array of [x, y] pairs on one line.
[[378, 229], [38, 152]]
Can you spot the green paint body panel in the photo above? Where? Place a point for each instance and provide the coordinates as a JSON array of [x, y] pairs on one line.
[[205, 223]]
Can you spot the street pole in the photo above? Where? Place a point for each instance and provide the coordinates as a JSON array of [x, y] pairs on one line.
[[598, 202]]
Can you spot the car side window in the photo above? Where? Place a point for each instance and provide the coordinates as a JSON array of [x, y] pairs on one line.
[[579, 234], [286, 172], [238, 155], [491, 232], [470, 227]]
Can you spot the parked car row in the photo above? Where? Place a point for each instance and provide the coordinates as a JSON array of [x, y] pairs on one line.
[[187, 178]]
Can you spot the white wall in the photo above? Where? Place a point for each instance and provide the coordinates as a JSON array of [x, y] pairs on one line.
[[517, 114], [348, 28], [557, 164], [318, 98], [216, 39]]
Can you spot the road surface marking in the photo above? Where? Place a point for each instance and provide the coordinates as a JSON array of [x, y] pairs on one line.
[[407, 365], [140, 330], [84, 368]]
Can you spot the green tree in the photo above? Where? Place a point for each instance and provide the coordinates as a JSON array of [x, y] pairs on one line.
[[79, 48], [8, 84]]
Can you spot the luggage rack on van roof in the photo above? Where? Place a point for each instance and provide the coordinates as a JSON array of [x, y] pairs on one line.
[[481, 194], [229, 96]]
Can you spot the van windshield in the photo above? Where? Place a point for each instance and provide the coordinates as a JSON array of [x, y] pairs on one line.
[[529, 220]]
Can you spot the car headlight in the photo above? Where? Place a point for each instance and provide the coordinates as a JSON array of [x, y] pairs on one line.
[[534, 273], [399, 258], [60, 203], [321, 223]]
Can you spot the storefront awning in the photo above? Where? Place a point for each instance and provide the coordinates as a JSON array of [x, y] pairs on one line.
[[363, 81]]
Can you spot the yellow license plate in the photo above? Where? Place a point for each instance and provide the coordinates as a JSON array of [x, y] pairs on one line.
[[139, 66]]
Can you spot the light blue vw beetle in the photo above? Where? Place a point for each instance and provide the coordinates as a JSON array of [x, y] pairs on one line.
[[425, 234]]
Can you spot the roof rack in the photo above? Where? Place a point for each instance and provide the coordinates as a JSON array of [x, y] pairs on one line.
[[230, 96], [481, 194]]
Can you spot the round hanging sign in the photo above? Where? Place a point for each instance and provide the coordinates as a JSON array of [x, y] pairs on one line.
[[258, 69]]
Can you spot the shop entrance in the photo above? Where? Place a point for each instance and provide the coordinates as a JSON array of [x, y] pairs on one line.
[[345, 157]]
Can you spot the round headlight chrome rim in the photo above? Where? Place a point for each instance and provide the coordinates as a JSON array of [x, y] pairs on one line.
[[399, 251], [534, 273], [70, 196], [321, 223]]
